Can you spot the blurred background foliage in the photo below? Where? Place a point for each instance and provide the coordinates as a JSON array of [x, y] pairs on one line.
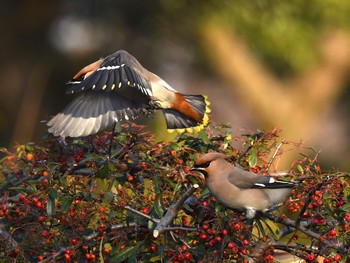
[[263, 64]]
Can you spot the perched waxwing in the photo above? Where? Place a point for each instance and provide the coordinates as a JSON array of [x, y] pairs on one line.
[[240, 189], [118, 88]]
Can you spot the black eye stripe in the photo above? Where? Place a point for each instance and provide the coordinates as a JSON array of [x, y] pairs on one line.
[[204, 165]]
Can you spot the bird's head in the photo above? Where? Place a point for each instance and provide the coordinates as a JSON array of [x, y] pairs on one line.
[[208, 162]]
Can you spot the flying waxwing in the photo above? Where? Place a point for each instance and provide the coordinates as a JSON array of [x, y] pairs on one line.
[[118, 88], [239, 189]]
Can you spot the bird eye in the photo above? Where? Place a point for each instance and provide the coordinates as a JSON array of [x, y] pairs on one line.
[[205, 165]]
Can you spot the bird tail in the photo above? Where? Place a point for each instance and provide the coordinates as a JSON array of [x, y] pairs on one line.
[[190, 113]]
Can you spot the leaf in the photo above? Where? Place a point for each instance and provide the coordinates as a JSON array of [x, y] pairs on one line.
[[157, 207], [103, 172], [50, 207], [300, 169], [252, 159], [346, 207], [175, 146], [108, 197], [155, 259], [346, 193], [103, 184], [129, 252], [65, 203], [204, 137]]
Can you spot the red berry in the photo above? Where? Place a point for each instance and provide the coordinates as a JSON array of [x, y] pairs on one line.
[[347, 217], [130, 178], [237, 226], [30, 156], [188, 256], [205, 227], [152, 248], [230, 245], [204, 236], [245, 242], [224, 232], [212, 242], [74, 241], [337, 258], [333, 232], [143, 165]]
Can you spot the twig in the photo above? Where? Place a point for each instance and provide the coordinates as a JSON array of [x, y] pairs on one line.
[[89, 237], [275, 154], [260, 249], [339, 246], [155, 220], [172, 211], [308, 201], [7, 236]]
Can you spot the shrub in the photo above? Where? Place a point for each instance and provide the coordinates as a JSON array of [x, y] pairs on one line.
[[133, 199]]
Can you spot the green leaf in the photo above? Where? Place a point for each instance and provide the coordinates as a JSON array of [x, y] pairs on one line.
[[65, 203], [129, 252], [300, 169], [346, 193], [346, 207], [53, 193], [50, 207], [204, 137], [175, 146], [157, 207], [103, 184], [252, 158], [155, 259], [103, 172], [62, 180], [108, 197]]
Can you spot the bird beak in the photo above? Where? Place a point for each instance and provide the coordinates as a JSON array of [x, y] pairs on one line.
[[200, 170]]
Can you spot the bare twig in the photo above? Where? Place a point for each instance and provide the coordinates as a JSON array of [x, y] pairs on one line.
[[172, 212], [155, 220], [275, 154]]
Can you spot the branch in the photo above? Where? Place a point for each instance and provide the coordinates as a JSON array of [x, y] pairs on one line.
[[155, 220], [339, 246], [275, 153], [7, 236], [172, 212]]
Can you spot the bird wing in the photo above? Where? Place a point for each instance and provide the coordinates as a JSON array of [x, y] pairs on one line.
[[119, 72], [247, 180], [92, 112]]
